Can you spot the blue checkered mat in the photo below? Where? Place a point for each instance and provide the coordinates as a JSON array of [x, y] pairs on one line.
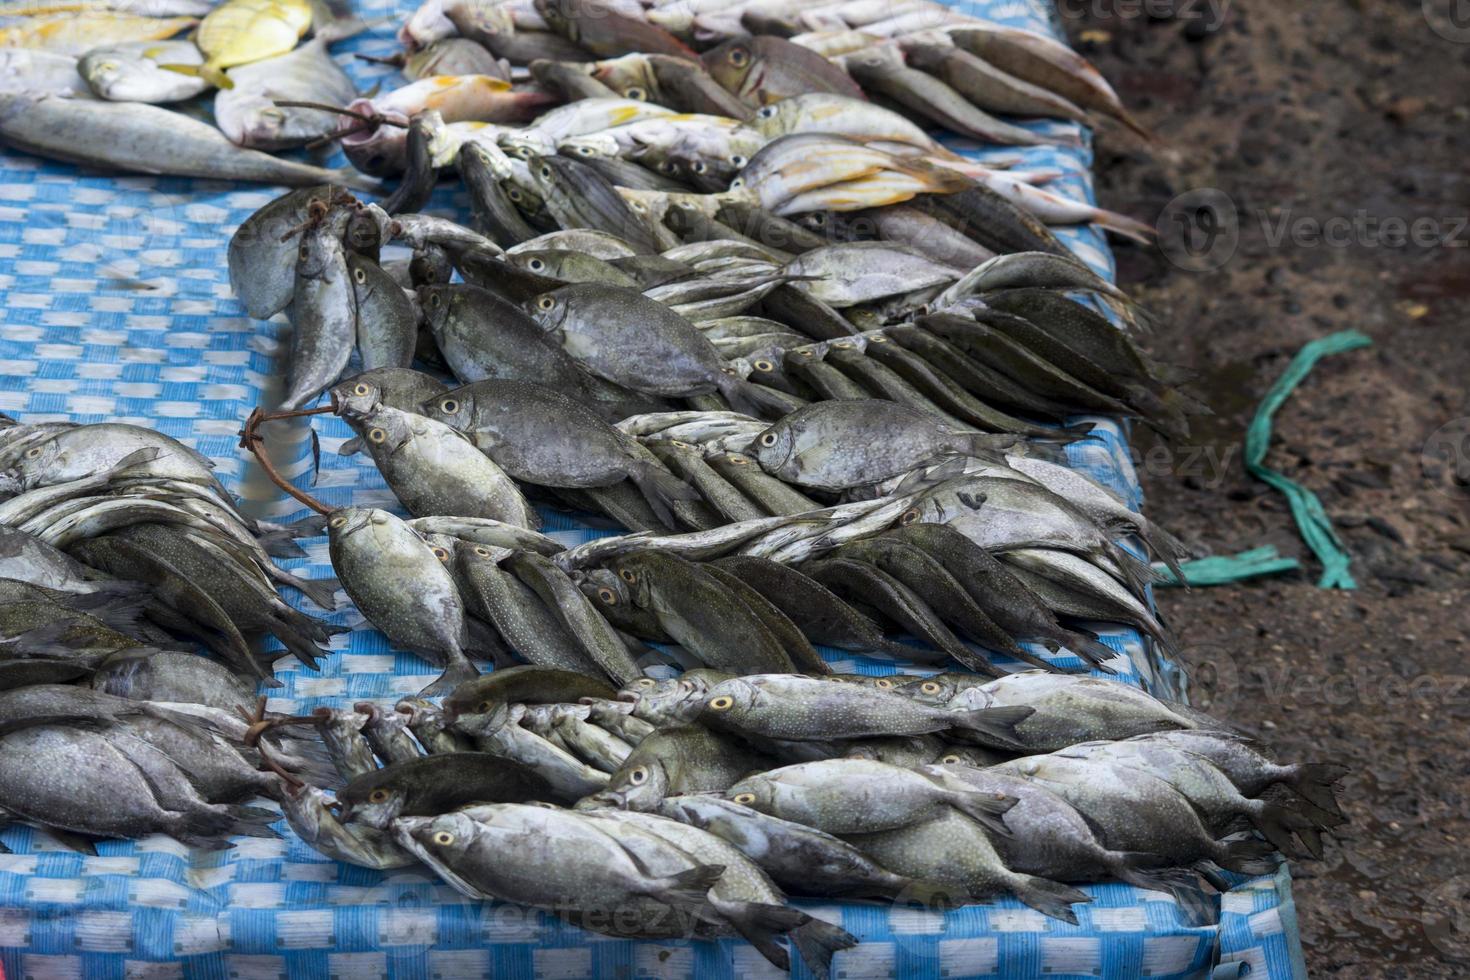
[[117, 308]]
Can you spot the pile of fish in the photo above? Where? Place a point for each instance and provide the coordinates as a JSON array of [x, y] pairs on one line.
[[701, 800]]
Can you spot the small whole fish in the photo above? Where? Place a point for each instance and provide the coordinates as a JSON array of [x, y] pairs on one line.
[[602, 29], [77, 33], [247, 112], [133, 71], [238, 32], [764, 69], [676, 762]]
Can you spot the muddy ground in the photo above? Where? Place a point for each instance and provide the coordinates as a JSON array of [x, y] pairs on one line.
[[1301, 113]]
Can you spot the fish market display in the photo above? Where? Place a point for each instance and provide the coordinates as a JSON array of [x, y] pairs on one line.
[[717, 288]]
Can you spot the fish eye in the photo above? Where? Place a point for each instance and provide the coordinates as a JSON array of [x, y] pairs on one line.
[[929, 687], [377, 435], [360, 390], [482, 551], [585, 151], [440, 553], [304, 252], [638, 206], [768, 439], [484, 707], [764, 366], [378, 795], [638, 776], [524, 152], [535, 265], [883, 683], [722, 703], [766, 112], [909, 516], [33, 452], [739, 57], [880, 339], [545, 303], [608, 596], [744, 799], [546, 172], [514, 194], [449, 406], [443, 838], [434, 300], [645, 682], [807, 353], [634, 92], [628, 575], [698, 166], [951, 760], [359, 276], [337, 521], [739, 461], [842, 345], [738, 159]]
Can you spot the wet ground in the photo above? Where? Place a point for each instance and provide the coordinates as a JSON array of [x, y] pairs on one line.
[[1333, 135]]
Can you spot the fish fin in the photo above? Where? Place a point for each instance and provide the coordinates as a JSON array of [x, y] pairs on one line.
[[1247, 856], [309, 527], [1184, 886], [1049, 897], [761, 925], [322, 591], [931, 896], [1275, 823], [986, 809], [350, 448], [80, 843], [280, 544], [1095, 652], [454, 675], [1312, 781], [316, 456], [816, 942], [1121, 224], [661, 489], [251, 821], [687, 888], [995, 726]]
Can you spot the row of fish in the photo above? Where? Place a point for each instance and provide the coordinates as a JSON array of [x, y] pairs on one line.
[[925, 790]]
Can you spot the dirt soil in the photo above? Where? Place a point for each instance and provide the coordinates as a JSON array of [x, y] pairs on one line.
[[1301, 113]]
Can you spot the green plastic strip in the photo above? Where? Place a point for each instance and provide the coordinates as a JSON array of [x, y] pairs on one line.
[[1311, 520], [1224, 569]]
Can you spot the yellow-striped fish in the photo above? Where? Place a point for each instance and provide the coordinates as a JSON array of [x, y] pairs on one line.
[[76, 34], [241, 31]]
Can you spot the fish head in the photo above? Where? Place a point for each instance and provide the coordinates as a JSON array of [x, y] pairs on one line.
[[41, 465], [355, 398], [372, 799], [636, 571], [630, 75], [603, 587], [347, 521], [776, 119], [525, 143], [426, 25], [438, 303], [541, 262], [471, 711], [730, 63], [589, 145], [455, 409], [668, 702], [550, 310], [444, 839], [939, 689], [727, 700], [774, 447], [755, 793], [635, 690], [317, 253], [119, 79], [640, 786], [378, 151], [558, 15]]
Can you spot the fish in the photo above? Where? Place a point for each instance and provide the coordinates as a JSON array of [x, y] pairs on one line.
[[541, 436], [701, 614], [437, 784], [491, 533], [262, 257], [796, 708], [579, 197], [604, 31], [764, 69], [838, 445], [402, 388], [308, 811], [139, 138], [516, 611], [1075, 587], [482, 169], [25, 70], [387, 323], [571, 267], [577, 613], [797, 646], [852, 273], [132, 71], [247, 110], [984, 85], [453, 56], [676, 762], [108, 785], [954, 850], [570, 80], [323, 314], [402, 588], [166, 675], [636, 342], [555, 860], [436, 471], [238, 32], [431, 727], [76, 33]]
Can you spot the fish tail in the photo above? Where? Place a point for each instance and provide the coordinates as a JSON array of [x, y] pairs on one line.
[[995, 726], [1313, 782], [1121, 224], [251, 821], [662, 490], [756, 399], [1135, 869], [321, 591], [1246, 855], [458, 672], [1094, 651], [1275, 824], [816, 941], [280, 544], [1050, 898], [761, 925]]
